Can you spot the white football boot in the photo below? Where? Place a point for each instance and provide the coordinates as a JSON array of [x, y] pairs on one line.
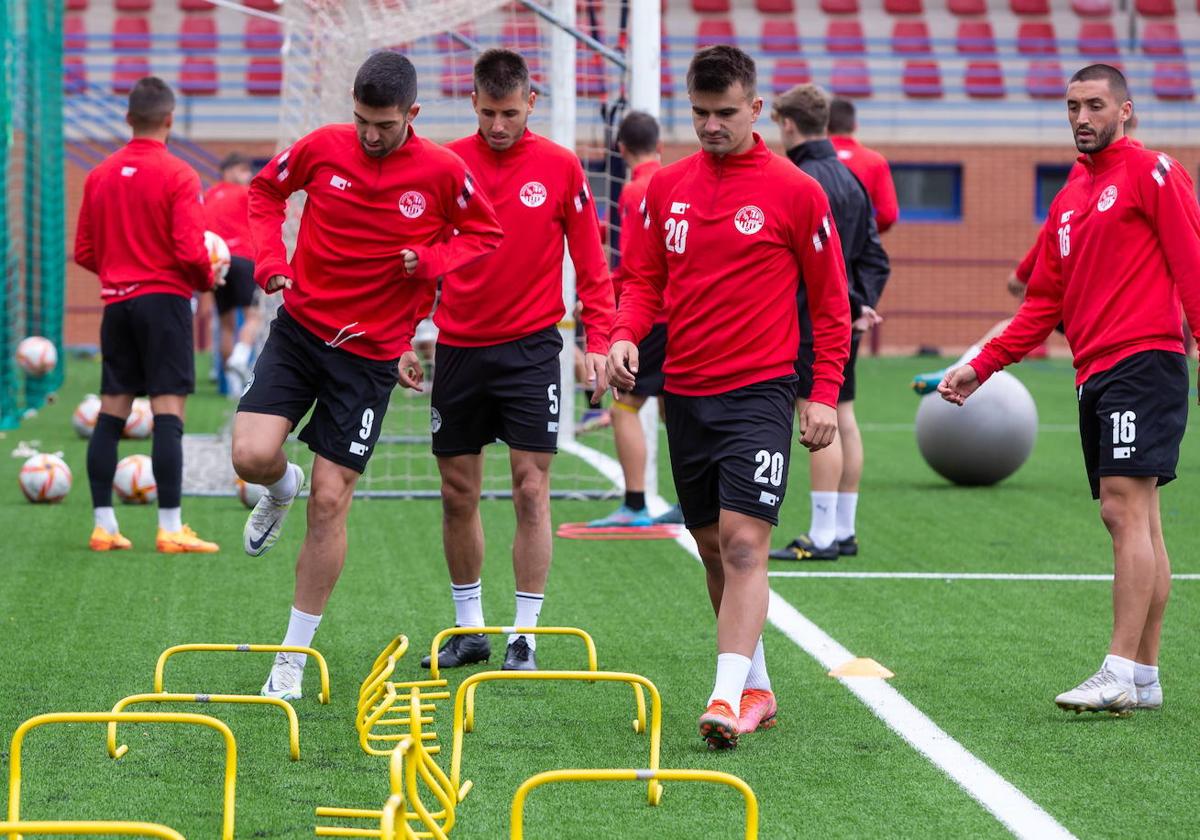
[[266, 520]]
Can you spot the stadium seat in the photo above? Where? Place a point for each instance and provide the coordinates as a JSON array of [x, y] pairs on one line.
[[780, 36], [264, 76], [74, 74], [262, 5], [844, 36], [77, 5], [839, 7], [975, 37], [198, 33], [910, 36], [1172, 81], [590, 76], [131, 33], [1098, 38], [967, 8], [74, 33], [1036, 38], [457, 65], [1029, 7], [903, 7], [1161, 38], [850, 78], [198, 77], [133, 5], [775, 7], [922, 80], [129, 68], [714, 31], [709, 6], [195, 6], [788, 73], [1155, 8], [1045, 80], [984, 80], [1092, 8], [262, 36]]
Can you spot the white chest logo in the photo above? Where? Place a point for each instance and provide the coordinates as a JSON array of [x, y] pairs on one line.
[[412, 204], [749, 220], [533, 194], [1107, 198]]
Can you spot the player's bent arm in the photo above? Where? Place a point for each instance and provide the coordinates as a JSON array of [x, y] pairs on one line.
[[593, 283], [1175, 215], [283, 175], [187, 231], [818, 253], [85, 243], [478, 230]]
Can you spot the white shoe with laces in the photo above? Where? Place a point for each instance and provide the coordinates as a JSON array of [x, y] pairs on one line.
[[1149, 696], [266, 520], [1102, 692], [285, 678]]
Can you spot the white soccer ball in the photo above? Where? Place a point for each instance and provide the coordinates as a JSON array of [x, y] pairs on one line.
[[84, 418], [249, 493], [45, 478], [218, 255], [134, 481], [36, 355], [140, 422]]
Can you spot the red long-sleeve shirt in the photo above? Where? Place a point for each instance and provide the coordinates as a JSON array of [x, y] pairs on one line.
[[350, 288], [227, 214], [1121, 249], [727, 242], [541, 195], [872, 169], [629, 209], [141, 224]]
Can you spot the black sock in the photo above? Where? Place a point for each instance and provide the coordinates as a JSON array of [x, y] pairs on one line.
[[166, 454], [102, 458], [635, 500]]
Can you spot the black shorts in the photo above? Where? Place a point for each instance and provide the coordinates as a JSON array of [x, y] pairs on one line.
[[1132, 417], [240, 289], [147, 347], [730, 451], [804, 366], [505, 392], [351, 393], [652, 352]]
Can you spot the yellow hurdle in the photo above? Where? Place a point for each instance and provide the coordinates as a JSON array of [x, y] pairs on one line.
[[467, 689], [311, 652], [18, 738], [372, 706], [124, 829], [517, 831], [251, 699]]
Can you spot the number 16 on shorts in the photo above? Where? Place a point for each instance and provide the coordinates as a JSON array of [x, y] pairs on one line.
[[769, 471]]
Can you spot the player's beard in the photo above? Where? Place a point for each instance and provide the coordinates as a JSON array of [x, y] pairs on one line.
[[385, 148], [1099, 142]]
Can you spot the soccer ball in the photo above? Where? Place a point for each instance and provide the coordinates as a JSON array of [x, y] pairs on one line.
[[218, 255], [36, 355], [84, 418], [45, 478], [134, 481], [140, 422], [249, 493]]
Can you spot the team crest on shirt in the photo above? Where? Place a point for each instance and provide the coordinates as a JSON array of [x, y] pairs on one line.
[[1107, 198], [533, 194], [412, 204], [749, 220], [435, 421]]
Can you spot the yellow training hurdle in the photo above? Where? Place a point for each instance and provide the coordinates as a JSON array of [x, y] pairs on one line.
[[176, 649], [18, 738], [712, 776], [467, 689], [505, 631], [373, 703], [250, 699], [124, 829]]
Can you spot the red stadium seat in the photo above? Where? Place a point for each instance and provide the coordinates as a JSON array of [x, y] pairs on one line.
[[74, 33], [975, 37], [1045, 80], [1159, 38], [1155, 8], [775, 7], [198, 76], [788, 73], [839, 7], [195, 6], [984, 80], [922, 80], [1029, 7], [967, 8], [131, 33], [850, 78], [262, 36], [1172, 81], [1092, 8], [1036, 38], [1098, 38], [133, 5], [780, 36], [198, 33], [128, 70], [77, 5], [714, 31], [264, 76], [844, 36], [457, 65], [910, 36], [903, 7], [262, 5], [590, 81], [74, 74], [718, 6]]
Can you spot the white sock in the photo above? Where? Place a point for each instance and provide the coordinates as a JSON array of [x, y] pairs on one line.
[[106, 518], [529, 607], [170, 519], [824, 518], [847, 507], [757, 678], [971, 352], [301, 629], [1144, 674], [468, 603], [285, 487], [732, 670], [1121, 667], [240, 354]]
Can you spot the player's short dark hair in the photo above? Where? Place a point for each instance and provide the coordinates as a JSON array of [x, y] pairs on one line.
[[1114, 77], [385, 80], [233, 159], [499, 72], [639, 133], [150, 102], [716, 69], [807, 106], [842, 119]]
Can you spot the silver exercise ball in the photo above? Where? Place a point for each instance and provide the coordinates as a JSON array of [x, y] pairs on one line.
[[984, 441]]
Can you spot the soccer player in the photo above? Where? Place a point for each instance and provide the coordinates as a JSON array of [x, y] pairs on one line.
[[227, 212], [802, 114], [729, 234], [387, 212], [1122, 249], [141, 228], [868, 165], [497, 356]]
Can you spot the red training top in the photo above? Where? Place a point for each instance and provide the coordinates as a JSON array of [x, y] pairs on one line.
[[727, 241], [227, 214], [872, 169], [629, 208], [1122, 246], [541, 195], [350, 287], [141, 224]]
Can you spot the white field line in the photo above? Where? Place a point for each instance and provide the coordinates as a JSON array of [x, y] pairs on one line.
[[1021, 815], [953, 576]]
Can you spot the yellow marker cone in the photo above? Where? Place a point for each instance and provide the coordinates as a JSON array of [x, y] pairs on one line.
[[861, 667]]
